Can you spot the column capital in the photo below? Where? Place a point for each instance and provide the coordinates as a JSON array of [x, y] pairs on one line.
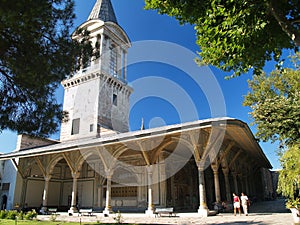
[[225, 171], [109, 173], [234, 174], [47, 178], [200, 166], [150, 169], [75, 175], [214, 166]]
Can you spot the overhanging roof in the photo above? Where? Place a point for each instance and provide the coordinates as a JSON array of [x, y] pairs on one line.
[[235, 131]]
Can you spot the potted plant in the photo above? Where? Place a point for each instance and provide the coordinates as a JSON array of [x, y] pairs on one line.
[[289, 180]]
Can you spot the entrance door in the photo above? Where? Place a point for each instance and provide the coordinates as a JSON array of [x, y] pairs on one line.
[[4, 202]]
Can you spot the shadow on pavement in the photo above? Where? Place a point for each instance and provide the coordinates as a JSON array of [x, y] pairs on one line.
[[269, 207]]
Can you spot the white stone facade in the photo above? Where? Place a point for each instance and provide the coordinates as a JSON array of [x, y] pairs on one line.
[[97, 97]]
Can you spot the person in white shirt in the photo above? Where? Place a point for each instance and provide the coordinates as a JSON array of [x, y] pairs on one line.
[[244, 200]]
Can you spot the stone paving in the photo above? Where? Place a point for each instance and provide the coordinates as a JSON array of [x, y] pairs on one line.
[[264, 213]]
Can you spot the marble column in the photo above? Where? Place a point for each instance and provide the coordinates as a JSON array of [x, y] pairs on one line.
[[236, 190], [217, 183], [227, 184], [107, 210], [246, 187], [203, 210], [173, 196], [45, 194], [242, 179], [150, 209], [73, 208]]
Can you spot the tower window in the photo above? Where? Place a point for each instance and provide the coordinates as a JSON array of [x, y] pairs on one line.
[[75, 126], [5, 186], [123, 65], [115, 100], [113, 61]]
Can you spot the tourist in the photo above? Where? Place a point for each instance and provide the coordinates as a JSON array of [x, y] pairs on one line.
[[236, 204], [244, 200]]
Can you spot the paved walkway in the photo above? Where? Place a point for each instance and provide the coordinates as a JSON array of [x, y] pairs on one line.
[[264, 213]]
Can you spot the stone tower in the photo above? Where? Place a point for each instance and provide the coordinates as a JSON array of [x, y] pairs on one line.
[[97, 96]]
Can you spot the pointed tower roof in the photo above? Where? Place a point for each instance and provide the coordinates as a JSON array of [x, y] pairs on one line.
[[104, 11]]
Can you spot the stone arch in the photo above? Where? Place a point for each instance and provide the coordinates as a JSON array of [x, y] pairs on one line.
[[119, 151], [53, 163], [130, 170], [28, 166], [170, 141]]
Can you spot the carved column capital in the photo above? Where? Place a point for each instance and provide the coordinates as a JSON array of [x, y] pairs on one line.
[[47, 178], [109, 173], [214, 167], [225, 171], [75, 175]]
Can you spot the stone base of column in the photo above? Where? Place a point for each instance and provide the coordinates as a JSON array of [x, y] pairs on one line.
[[149, 212], [107, 211], [43, 210], [203, 212], [72, 210]]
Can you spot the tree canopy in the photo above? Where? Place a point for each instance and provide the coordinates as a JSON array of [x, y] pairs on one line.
[[36, 54], [275, 100], [289, 176], [237, 35]]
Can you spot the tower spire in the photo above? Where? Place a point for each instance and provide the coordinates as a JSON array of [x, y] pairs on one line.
[[104, 11]]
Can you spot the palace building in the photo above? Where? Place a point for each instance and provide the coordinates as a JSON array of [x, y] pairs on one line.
[[99, 164]]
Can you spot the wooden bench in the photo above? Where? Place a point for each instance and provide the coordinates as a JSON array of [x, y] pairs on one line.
[[85, 212], [164, 211], [52, 211]]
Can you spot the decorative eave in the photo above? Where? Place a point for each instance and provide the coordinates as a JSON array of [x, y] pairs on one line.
[[236, 132], [96, 74]]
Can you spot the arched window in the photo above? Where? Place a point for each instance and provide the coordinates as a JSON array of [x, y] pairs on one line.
[[113, 61]]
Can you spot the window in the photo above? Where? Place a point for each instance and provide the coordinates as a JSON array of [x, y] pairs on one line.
[[123, 65], [5, 186], [91, 127], [75, 126], [115, 100], [113, 61]]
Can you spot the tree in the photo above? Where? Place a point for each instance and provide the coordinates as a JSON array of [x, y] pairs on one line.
[[275, 100], [36, 54], [289, 176], [237, 35]]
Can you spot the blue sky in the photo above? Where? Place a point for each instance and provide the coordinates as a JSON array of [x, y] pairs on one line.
[[141, 25]]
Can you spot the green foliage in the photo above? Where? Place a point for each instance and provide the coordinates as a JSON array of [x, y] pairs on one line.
[[53, 217], [275, 100], [30, 215], [237, 35], [293, 203], [118, 218], [3, 214], [289, 176], [36, 54], [21, 215], [12, 214]]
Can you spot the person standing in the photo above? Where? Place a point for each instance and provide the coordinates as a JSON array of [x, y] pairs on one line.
[[244, 200], [236, 204]]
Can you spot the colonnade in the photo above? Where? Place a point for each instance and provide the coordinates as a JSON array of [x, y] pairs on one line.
[[203, 210]]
